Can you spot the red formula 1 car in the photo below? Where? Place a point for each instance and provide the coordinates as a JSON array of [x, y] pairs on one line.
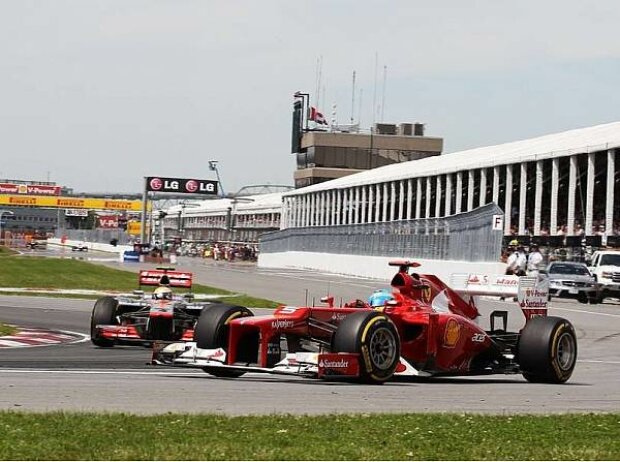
[[140, 318], [426, 329]]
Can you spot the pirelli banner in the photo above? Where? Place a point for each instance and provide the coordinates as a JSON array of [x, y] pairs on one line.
[[70, 202]]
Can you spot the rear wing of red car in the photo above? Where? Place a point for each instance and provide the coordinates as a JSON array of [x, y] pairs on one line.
[[164, 277], [531, 292]]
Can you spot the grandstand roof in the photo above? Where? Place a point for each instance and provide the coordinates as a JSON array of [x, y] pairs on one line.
[[582, 140], [260, 203]]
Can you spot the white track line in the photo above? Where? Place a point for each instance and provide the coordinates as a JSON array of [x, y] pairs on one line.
[[102, 372], [586, 312]]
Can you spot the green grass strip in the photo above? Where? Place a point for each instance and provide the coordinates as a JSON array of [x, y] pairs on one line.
[[6, 330], [5, 251], [65, 436], [53, 273]]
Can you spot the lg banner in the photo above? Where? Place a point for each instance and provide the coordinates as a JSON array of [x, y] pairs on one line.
[[181, 185]]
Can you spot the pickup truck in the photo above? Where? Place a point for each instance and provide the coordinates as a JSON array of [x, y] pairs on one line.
[[605, 267]]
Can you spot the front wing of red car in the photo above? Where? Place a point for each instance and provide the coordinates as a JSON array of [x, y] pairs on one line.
[[321, 365]]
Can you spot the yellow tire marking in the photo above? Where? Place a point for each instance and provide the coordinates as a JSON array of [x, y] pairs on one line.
[[372, 321], [233, 316]]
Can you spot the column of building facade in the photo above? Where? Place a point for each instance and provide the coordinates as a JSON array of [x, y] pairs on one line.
[[427, 205], [448, 206], [609, 204], [295, 211], [371, 202], [496, 184], [327, 211], [470, 190], [572, 186], [392, 201], [324, 208], [377, 202], [483, 187], [289, 218], [311, 209], [590, 193], [508, 201], [385, 202], [338, 206], [522, 197], [358, 205], [459, 192], [351, 205], [418, 201], [401, 200], [437, 196], [364, 205], [555, 185], [409, 198], [538, 185]]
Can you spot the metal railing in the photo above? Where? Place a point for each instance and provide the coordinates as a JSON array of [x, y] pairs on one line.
[[465, 237]]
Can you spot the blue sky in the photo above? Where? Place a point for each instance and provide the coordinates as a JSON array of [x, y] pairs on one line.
[[96, 95]]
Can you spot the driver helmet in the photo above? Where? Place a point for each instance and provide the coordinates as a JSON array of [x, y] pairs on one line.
[[380, 297], [162, 293]]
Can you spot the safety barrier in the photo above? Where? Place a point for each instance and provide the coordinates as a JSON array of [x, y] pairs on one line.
[[471, 236]]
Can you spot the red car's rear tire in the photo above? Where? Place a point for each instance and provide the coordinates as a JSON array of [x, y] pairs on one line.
[[375, 338], [547, 350]]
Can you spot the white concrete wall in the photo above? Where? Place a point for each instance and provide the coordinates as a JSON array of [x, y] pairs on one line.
[[372, 267], [91, 245]]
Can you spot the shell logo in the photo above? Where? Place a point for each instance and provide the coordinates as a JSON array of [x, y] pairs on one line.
[[452, 333]]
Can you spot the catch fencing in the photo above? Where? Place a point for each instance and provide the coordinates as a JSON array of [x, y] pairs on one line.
[[469, 236]]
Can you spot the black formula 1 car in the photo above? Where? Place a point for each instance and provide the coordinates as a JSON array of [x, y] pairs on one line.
[[426, 329], [141, 319]]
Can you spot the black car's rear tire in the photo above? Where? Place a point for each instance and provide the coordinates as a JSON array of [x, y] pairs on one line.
[[375, 338], [547, 350], [104, 312], [211, 332]]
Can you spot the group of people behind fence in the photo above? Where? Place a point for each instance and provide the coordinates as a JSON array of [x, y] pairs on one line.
[[522, 263]]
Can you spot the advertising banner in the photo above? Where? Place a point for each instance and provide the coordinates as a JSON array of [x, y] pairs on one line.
[[108, 221], [35, 189], [181, 185], [76, 212], [71, 202]]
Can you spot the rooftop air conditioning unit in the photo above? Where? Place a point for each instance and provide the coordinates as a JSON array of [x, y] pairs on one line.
[[405, 129], [385, 129]]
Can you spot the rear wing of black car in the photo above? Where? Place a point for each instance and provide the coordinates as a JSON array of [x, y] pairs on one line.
[[164, 277]]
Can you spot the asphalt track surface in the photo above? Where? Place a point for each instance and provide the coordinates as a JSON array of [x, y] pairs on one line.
[[81, 377]]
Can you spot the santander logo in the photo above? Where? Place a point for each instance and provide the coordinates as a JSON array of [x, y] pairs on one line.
[[191, 186], [156, 183]]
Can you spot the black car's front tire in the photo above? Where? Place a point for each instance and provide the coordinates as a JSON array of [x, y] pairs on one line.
[[547, 350], [104, 312], [375, 338]]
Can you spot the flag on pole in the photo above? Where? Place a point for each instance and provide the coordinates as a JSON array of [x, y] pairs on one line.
[[317, 117]]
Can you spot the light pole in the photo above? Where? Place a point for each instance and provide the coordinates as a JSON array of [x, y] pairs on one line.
[[4, 212], [213, 167], [181, 224], [231, 225]]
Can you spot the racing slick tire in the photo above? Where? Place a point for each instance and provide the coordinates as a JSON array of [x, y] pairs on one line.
[[211, 332], [374, 337], [104, 312], [547, 350]]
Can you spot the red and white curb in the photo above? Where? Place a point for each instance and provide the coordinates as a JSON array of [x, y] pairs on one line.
[[40, 337]]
